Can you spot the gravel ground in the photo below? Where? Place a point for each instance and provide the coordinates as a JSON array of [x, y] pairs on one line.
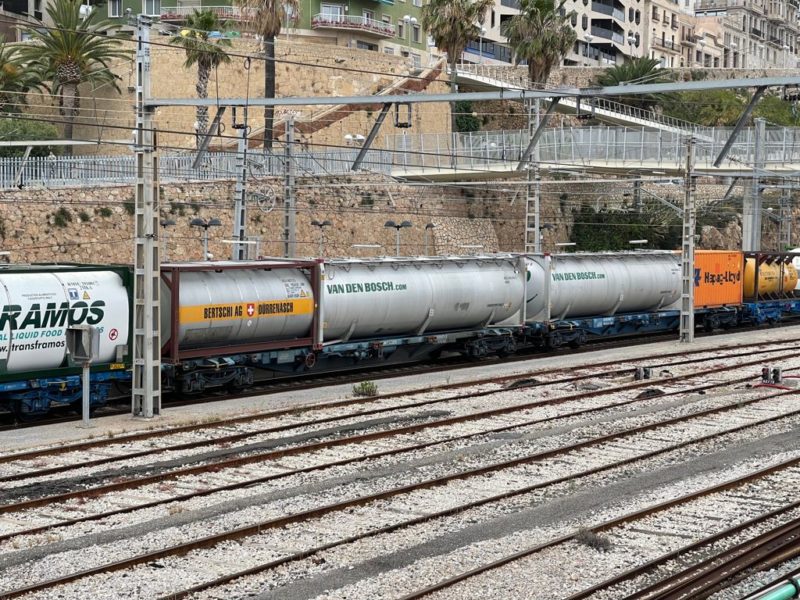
[[388, 565]]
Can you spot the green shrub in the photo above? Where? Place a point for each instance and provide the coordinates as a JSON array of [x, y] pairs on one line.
[[84, 216], [62, 217], [104, 211], [365, 388]]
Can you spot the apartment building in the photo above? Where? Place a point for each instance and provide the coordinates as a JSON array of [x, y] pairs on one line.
[[387, 26], [754, 33]]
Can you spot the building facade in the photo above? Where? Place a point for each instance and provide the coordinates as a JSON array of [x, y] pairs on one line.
[[387, 26]]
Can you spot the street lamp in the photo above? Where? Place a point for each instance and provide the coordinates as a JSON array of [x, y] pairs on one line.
[[205, 224], [480, 45], [785, 54], [164, 224], [631, 42], [398, 227], [410, 22], [322, 225], [702, 43], [428, 227], [588, 37]]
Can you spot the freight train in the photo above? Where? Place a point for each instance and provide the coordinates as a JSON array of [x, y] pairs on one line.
[[229, 323]]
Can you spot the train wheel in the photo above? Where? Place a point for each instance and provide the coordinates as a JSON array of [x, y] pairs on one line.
[[554, 340], [579, 340], [311, 360]]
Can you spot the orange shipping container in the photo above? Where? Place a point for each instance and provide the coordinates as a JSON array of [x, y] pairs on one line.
[[718, 276]]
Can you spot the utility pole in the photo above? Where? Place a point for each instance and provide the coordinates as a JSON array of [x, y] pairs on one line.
[[785, 237], [289, 209], [240, 207], [533, 188], [751, 208], [687, 254], [146, 400]]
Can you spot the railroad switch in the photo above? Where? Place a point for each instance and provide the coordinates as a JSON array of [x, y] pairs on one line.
[[641, 373]]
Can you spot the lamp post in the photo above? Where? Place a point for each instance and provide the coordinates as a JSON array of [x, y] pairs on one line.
[[702, 43], [480, 45], [589, 37], [322, 225], [631, 42], [733, 54], [205, 224], [785, 54], [428, 227], [410, 22], [164, 224], [398, 227]]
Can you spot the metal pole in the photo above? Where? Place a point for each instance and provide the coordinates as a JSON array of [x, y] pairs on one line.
[[289, 210], [687, 254], [397, 242], [205, 243], [751, 209], [86, 380], [238, 251], [426, 241], [146, 400]]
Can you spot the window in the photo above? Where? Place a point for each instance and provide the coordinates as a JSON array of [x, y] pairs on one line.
[[332, 12], [584, 22], [151, 8], [417, 2], [491, 20], [417, 60], [630, 14], [388, 50], [415, 34], [573, 18], [366, 46], [368, 15], [386, 19], [401, 29], [638, 17], [115, 8]]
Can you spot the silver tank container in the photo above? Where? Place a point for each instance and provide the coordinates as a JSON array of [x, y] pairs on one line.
[[229, 307], [37, 309], [584, 285], [365, 298]]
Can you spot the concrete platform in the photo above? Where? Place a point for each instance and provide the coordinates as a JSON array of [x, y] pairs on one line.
[[64, 433]]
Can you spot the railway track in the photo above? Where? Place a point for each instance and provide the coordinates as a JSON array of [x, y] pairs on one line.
[[745, 414]]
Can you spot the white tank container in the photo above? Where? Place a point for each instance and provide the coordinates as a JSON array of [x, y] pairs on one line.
[[603, 284], [230, 307], [37, 308], [362, 299]]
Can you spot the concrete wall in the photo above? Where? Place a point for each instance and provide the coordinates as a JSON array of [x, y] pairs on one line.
[[96, 225], [304, 70]]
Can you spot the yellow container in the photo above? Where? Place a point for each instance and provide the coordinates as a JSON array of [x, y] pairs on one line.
[[717, 278], [770, 278], [789, 278]]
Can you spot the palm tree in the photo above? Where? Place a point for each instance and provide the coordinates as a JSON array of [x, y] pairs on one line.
[[76, 49], [541, 35], [15, 79], [453, 24], [267, 18], [637, 71], [207, 55]]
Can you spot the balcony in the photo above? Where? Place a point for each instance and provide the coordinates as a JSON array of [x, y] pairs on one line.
[[608, 34], [179, 13], [353, 23], [689, 39], [610, 10], [668, 44], [757, 32], [675, 24]]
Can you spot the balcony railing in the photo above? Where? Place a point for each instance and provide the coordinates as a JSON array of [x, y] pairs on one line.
[[364, 24], [607, 34], [179, 13], [668, 44], [757, 32], [608, 9]]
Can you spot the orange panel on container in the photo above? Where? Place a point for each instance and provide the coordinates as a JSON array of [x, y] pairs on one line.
[[717, 278]]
